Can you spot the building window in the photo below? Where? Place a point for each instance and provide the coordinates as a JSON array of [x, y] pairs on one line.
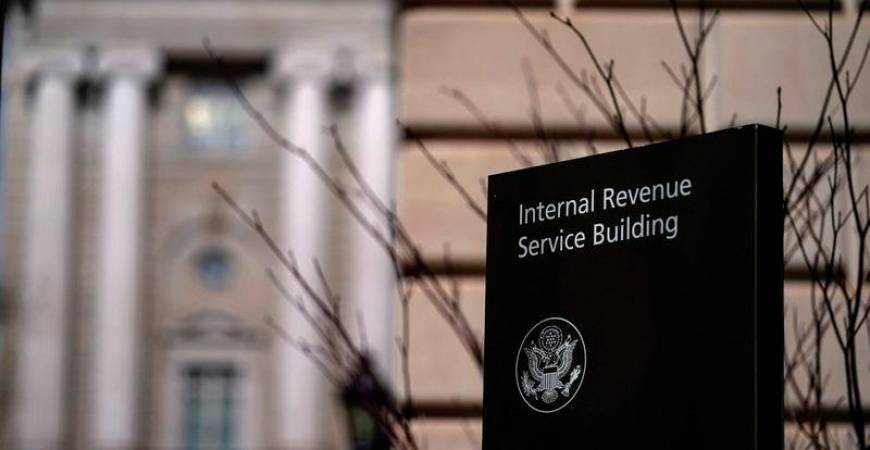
[[214, 266], [214, 120], [209, 407]]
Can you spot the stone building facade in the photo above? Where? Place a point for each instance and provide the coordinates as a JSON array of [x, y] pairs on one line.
[[139, 297], [136, 298]]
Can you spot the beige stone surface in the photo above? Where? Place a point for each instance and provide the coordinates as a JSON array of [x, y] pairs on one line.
[[797, 248], [441, 368], [798, 315], [756, 53], [839, 436], [451, 434], [249, 28], [481, 52]]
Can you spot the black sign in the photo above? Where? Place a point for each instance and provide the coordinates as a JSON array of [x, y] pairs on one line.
[[634, 299]]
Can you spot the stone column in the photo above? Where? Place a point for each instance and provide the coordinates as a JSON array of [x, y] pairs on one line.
[[371, 274], [303, 399], [115, 371], [42, 375]]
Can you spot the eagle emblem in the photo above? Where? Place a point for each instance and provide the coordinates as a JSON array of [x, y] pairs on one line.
[[548, 374]]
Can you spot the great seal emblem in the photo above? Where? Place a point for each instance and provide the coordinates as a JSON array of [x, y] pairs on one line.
[[551, 365]]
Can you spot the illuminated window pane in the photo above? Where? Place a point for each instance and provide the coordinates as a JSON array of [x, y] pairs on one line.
[[214, 120]]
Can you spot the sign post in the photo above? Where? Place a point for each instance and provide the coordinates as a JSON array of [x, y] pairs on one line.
[[634, 299]]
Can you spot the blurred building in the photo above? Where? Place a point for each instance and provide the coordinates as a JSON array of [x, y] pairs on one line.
[[138, 297]]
